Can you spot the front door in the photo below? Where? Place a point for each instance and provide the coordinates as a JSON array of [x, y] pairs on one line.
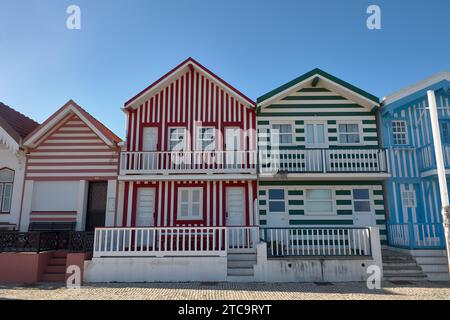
[[233, 157], [96, 205], [145, 207], [149, 143], [235, 206]]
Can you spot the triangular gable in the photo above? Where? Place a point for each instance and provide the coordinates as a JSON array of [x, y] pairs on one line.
[[161, 83], [409, 94], [60, 116], [321, 80]]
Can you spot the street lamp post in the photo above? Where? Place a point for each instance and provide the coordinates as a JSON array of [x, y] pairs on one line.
[[440, 171]]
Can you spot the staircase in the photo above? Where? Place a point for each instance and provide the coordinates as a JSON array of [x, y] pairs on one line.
[[240, 267], [400, 266], [56, 268], [433, 264]]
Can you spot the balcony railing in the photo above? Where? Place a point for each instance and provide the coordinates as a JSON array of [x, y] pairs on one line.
[[173, 241], [323, 161], [169, 162], [416, 235], [428, 158], [282, 242]]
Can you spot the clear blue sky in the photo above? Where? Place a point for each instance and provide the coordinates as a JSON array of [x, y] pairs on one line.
[[255, 45]]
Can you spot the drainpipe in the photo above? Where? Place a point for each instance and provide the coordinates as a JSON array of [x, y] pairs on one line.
[[440, 171]]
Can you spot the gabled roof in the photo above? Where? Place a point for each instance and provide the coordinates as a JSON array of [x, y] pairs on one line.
[[415, 91], [101, 130], [188, 63], [15, 123], [310, 76]]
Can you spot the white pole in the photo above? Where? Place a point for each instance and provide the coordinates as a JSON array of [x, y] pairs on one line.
[[440, 171]]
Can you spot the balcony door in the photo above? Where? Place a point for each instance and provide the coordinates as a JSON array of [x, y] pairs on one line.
[[233, 156], [149, 143]]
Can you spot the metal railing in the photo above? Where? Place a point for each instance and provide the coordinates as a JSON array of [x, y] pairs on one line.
[[282, 242], [323, 161]]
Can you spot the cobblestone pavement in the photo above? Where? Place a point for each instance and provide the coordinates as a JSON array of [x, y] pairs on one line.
[[228, 291]]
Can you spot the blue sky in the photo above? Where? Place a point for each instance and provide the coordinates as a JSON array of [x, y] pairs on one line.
[[255, 45]]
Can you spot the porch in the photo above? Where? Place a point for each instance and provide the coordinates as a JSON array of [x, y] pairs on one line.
[[414, 236]]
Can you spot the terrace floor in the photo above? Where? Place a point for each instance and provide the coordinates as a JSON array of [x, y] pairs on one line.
[[230, 291]]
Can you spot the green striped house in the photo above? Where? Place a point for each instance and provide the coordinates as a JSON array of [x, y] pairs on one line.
[[320, 161]]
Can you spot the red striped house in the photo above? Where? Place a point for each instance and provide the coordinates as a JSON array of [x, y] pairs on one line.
[[71, 173], [190, 157]]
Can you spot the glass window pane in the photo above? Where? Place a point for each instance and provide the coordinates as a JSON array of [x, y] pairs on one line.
[[276, 206], [361, 194], [184, 210], [309, 133], [196, 210], [6, 175], [184, 196], [319, 206], [320, 133], [276, 194], [7, 193], [318, 194], [195, 195], [362, 206]]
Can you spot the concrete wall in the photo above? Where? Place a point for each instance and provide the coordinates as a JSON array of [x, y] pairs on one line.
[[149, 269], [314, 269], [23, 267], [16, 163]]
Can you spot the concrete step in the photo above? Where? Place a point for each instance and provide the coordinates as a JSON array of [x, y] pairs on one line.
[[241, 263], [402, 268], [240, 279], [397, 258], [429, 253], [431, 260], [399, 264], [57, 261], [241, 256], [405, 278], [437, 276], [434, 268], [55, 269], [406, 274], [60, 254], [53, 277], [240, 271]]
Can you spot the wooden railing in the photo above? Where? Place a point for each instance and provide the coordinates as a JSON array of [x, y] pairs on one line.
[[416, 235], [428, 158], [317, 241], [323, 161], [242, 238], [166, 162]]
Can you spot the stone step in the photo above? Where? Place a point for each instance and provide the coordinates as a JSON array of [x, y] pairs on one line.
[[55, 269], [431, 260], [240, 271], [240, 279], [437, 276], [241, 256], [241, 263], [398, 264], [53, 277], [405, 274], [402, 268], [402, 278], [57, 261], [434, 268]]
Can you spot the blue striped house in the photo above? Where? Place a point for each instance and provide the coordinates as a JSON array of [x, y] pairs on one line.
[[414, 204], [321, 165]]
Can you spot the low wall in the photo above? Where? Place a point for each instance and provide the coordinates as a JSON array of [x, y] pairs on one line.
[[23, 267], [316, 269], [152, 269], [77, 259]]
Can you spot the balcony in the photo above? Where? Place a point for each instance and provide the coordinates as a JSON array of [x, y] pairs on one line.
[[320, 161], [187, 162], [428, 159]]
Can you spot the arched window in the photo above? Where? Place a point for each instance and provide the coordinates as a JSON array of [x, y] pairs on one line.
[[6, 187]]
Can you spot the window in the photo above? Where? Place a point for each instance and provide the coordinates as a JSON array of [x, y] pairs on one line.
[[282, 134], [190, 203], [177, 138], [6, 186], [319, 201], [399, 132], [408, 196], [315, 134], [361, 200], [205, 138], [349, 133], [276, 200]]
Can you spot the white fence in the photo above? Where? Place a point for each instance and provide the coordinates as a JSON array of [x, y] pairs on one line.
[[323, 160], [317, 241], [173, 241], [416, 235], [157, 162]]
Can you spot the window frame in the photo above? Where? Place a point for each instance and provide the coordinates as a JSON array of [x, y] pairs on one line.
[[276, 200], [190, 203], [272, 135], [316, 145], [169, 138], [3, 184], [360, 133], [333, 211], [406, 132], [369, 200], [410, 191], [199, 141]]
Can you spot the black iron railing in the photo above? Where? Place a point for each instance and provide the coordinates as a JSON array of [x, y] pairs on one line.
[[39, 241]]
